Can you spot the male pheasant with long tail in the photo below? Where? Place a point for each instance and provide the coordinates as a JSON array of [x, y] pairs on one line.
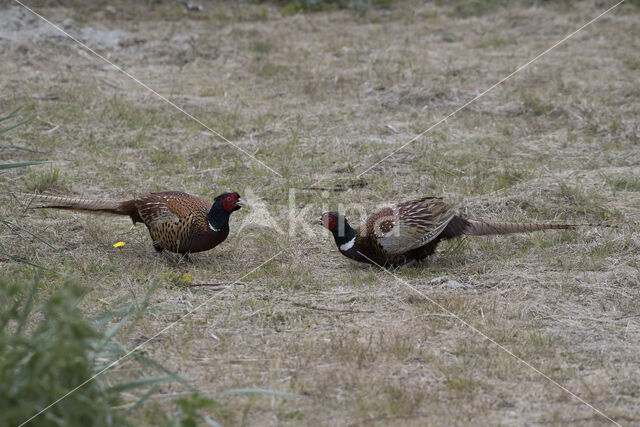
[[410, 231], [177, 222]]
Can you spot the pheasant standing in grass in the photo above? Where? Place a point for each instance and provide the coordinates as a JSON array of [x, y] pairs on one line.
[[410, 231], [177, 222]]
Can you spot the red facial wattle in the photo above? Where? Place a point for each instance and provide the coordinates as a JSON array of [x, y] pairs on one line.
[[229, 202], [329, 222]]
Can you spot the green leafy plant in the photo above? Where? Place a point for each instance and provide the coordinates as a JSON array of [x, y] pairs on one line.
[[9, 225], [49, 349], [190, 411], [15, 114]]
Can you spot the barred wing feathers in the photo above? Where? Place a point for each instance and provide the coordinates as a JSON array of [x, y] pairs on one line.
[[169, 206], [409, 225]]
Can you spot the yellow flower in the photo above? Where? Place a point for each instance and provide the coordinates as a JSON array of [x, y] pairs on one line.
[[118, 245], [186, 278]]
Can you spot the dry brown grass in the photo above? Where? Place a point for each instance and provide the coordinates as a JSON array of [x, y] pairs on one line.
[[319, 97]]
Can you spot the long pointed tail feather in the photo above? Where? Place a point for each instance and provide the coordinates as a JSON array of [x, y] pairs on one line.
[[112, 207], [485, 228]]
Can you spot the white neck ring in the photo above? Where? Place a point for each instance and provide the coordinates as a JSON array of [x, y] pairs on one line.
[[348, 245]]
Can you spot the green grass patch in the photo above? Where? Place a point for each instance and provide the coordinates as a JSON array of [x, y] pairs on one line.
[[631, 62], [537, 106], [41, 181], [261, 48], [48, 347], [622, 182], [289, 7], [468, 8], [496, 41]]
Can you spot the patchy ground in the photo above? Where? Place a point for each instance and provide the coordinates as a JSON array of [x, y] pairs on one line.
[[319, 98]]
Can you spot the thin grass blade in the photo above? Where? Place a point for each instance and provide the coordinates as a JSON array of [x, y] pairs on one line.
[[11, 114], [209, 421], [262, 392], [28, 305], [111, 332], [5, 130], [19, 147], [107, 317], [13, 226], [144, 382], [143, 399], [21, 164], [6, 253]]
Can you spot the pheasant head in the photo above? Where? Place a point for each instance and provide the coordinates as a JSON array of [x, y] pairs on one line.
[[230, 202], [223, 205], [338, 225]]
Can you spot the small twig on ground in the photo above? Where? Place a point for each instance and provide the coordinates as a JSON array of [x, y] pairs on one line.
[[144, 339], [215, 285], [338, 187], [628, 316], [51, 130], [111, 85], [46, 97], [316, 188], [335, 310]]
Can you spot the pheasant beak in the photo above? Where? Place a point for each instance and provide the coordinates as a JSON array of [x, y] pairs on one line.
[[318, 221], [241, 203]]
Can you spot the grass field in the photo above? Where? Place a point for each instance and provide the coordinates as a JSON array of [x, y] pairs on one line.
[[319, 97]]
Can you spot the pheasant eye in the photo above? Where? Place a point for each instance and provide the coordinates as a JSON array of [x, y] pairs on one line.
[[329, 221]]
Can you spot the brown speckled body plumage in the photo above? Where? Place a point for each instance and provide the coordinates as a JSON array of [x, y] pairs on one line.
[[411, 231], [177, 222]]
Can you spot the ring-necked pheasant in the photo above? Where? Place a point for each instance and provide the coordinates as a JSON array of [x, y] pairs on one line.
[[177, 222], [410, 231]]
